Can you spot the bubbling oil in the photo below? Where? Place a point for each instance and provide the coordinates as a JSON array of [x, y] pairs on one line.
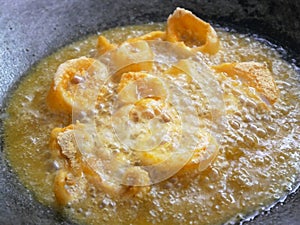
[[258, 163]]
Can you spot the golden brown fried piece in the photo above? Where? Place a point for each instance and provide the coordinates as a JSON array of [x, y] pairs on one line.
[[154, 35], [183, 26], [255, 74], [68, 188], [132, 56], [136, 85], [76, 175], [69, 184], [71, 84], [204, 155], [103, 45]]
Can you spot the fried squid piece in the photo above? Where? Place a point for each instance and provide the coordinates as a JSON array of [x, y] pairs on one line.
[[74, 84], [103, 45], [183, 26], [254, 74], [134, 86], [76, 175], [154, 35]]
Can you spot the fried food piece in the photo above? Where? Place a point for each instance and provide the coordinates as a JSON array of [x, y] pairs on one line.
[[204, 155], [136, 176], [134, 86], [68, 188], [184, 26], [169, 131], [154, 35], [156, 156], [74, 84], [103, 45], [130, 77], [137, 182], [63, 144], [144, 125], [71, 181], [61, 194], [132, 57], [255, 74], [53, 143], [200, 159]]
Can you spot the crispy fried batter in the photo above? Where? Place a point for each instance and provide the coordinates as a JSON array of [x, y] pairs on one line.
[[154, 35], [184, 26], [65, 93], [103, 45], [255, 74]]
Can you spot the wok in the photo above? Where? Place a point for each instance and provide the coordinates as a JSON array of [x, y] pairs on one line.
[[33, 29]]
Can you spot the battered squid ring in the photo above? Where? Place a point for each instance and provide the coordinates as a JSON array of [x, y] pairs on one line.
[[67, 80], [183, 26]]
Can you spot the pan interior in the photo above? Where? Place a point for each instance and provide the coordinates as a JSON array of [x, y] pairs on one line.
[[271, 161]]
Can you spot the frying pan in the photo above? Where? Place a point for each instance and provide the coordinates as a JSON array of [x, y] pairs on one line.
[[33, 29]]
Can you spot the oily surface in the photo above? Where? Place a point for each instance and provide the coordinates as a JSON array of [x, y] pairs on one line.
[[258, 159]]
